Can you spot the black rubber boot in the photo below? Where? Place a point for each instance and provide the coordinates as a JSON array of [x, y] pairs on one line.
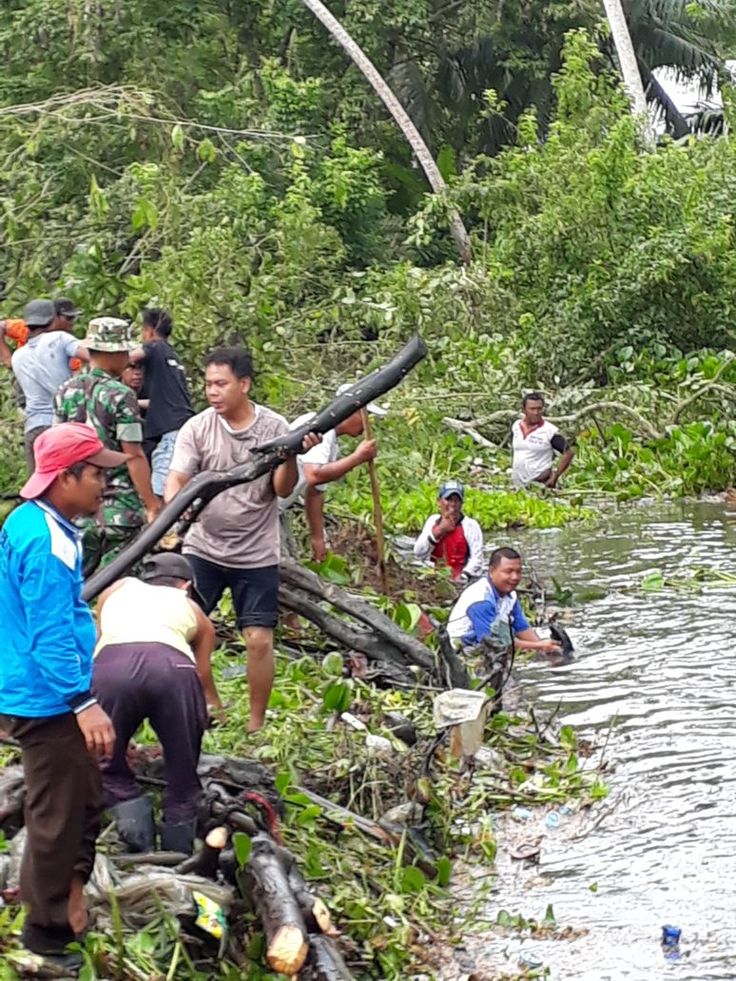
[[134, 821], [178, 836]]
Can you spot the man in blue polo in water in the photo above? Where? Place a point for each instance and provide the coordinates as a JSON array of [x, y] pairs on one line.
[[490, 607]]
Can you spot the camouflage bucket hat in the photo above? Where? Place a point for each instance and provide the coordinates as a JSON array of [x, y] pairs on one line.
[[110, 334]]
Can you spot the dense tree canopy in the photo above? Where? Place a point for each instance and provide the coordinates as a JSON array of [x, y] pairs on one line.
[[227, 160]]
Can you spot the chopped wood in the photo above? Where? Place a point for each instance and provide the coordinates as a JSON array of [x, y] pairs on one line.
[[266, 882], [207, 860]]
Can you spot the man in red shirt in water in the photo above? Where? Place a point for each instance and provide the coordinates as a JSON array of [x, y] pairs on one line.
[[450, 538]]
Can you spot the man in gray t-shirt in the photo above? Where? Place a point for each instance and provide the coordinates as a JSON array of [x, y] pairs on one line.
[[234, 543], [40, 366]]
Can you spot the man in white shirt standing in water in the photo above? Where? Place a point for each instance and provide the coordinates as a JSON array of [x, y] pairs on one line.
[[534, 444], [234, 543]]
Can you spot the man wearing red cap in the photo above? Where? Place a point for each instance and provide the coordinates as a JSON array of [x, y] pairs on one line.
[[45, 678]]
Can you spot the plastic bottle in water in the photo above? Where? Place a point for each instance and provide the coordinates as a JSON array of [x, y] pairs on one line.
[[671, 942]]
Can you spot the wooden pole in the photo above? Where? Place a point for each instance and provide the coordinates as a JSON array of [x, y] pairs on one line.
[[377, 509]]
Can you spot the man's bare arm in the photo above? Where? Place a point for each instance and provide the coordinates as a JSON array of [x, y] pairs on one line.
[[325, 473], [314, 502], [286, 475], [140, 473], [529, 640], [175, 481], [203, 644]]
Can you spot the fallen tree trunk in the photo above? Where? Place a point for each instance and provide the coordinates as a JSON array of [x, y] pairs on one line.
[[267, 885], [205, 486], [296, 576]]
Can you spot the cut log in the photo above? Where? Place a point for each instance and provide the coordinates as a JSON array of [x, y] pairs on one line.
[[267, 884], [207, 860], [325, 962], [414, 651]]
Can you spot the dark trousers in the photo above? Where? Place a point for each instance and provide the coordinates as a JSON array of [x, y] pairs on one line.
[[30, 437], [133, 682], [62, 814]]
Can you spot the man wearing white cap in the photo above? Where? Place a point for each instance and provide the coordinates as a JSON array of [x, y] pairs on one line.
[[45, 683], [323, 465]]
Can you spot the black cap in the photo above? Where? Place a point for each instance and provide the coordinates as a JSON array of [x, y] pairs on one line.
[[170, 565], [64, 307], [39, 313]]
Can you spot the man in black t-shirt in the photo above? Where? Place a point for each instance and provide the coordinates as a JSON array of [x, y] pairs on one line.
[[165, 388]]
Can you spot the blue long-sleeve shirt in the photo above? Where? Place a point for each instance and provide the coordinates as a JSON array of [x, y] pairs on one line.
[[477, 609], [48, 634]]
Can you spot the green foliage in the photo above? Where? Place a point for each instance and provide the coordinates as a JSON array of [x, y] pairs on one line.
[[252, 194], [406, 511]]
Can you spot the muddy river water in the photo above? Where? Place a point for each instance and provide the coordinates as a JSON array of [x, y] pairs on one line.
[[657, 670]]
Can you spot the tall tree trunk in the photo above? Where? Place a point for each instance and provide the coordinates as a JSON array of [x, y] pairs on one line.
[[629, 65], [407, 127]]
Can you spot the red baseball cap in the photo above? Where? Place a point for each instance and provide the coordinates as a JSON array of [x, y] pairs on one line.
[[61, 447]]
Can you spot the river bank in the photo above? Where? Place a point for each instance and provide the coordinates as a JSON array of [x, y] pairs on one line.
[[332, 730], [534, 867]]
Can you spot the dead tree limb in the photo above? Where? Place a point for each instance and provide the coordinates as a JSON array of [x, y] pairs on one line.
[[472, 425], [703, 390], [207, 485], [345, 818], [307, 581], [375, 648], [467, 429]]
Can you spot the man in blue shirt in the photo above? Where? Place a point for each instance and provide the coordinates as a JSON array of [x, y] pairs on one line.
[[492, 602], [45, 678], [41, 366]]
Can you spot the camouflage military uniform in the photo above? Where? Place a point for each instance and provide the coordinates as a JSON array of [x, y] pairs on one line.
[[108, 405]]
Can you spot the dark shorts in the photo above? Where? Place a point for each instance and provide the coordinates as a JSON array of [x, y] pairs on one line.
[[255, 591]]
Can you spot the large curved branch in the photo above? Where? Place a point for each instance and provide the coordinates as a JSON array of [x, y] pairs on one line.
[[467, 430], [205, 486], [307, 582], [698, 393]]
